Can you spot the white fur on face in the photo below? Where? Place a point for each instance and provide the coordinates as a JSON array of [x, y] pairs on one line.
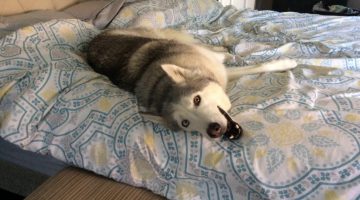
[[207, 112]]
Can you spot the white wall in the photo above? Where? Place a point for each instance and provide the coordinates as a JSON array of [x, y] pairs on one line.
[[240, 4]]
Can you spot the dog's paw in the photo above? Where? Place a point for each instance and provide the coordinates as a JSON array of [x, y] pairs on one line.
[[150, 117], [219, 49], [288, 63], [282, 64]]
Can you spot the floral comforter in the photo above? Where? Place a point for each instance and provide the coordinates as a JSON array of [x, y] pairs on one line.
[[301, 127]]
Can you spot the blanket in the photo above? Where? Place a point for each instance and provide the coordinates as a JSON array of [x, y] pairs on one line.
[[301, 127]]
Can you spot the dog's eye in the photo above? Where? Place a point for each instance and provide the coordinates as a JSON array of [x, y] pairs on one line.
[[197, 100], [185, 123]]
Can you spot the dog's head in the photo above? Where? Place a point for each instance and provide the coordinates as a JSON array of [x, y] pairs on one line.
[[195, 102]]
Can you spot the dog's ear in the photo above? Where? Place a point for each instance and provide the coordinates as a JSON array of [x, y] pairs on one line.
[[176, 73]]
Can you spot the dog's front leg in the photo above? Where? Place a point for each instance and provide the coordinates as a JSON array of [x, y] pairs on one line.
[[147, 116], [234, 73]]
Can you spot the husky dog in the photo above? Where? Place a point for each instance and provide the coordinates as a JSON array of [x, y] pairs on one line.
[[172, 75]]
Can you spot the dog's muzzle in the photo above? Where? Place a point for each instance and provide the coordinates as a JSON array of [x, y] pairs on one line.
[[232, 131], [215, 130]]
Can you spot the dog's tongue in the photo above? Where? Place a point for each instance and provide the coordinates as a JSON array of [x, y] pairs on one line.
[[234, 130]]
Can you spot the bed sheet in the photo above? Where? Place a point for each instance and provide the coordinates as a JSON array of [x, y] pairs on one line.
[[301, 127]]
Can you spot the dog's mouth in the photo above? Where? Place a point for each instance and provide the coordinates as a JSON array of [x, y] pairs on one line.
[[217, 133], [231, 131]]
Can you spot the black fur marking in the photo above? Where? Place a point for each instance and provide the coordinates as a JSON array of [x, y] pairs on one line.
[[153, 90], [110, 55]]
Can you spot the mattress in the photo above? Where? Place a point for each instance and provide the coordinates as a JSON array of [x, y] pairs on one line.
[[301, 127], [43, 164], [22, 171]]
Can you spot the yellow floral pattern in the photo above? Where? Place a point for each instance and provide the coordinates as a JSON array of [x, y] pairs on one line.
[[285, 134], [301, 126]]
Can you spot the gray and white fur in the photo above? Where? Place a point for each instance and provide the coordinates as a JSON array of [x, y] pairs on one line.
[[167, 70]]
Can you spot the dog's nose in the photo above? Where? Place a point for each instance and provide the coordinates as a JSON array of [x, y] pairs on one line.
[[214, 130]]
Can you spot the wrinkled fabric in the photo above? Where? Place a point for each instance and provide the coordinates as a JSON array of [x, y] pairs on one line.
[[301, 127]]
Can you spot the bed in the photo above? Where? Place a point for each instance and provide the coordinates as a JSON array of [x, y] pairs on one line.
[[301, 127]]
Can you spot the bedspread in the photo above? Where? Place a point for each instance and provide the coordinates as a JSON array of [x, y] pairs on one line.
[[301, 127]]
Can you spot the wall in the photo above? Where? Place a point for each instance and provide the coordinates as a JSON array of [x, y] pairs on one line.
[[240, 4]]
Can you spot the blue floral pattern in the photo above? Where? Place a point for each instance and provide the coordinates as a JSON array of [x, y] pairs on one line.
[[301, 127]]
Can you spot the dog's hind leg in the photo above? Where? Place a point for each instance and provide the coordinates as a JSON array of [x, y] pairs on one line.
[[275, 65]]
